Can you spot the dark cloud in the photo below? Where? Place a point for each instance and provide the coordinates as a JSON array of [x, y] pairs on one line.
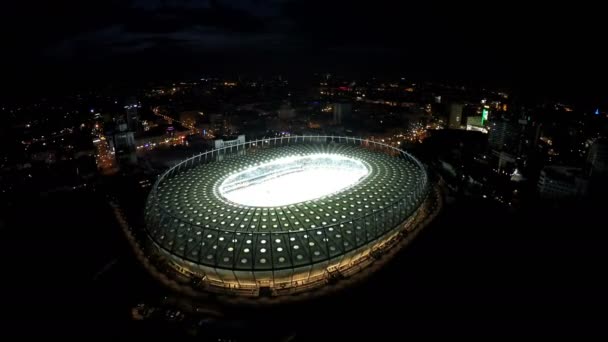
[[509, 43], [37, 25]]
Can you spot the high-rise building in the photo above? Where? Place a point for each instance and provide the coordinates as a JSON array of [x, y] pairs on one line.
[[123, 142], [485, 112], [506, 161], [455, 115], [562, 182], [503, 135], [131, 106], [342, 111], [598, 157], [217, 122]]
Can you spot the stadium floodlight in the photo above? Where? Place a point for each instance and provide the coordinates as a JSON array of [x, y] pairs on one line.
[[292, 179], [285, 216]]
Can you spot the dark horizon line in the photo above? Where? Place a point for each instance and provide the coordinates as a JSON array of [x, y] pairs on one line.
[[57, 82]]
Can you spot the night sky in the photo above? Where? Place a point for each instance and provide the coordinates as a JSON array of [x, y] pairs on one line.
[[549, 51]]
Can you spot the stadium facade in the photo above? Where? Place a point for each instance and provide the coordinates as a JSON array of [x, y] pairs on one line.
[[280, 216]]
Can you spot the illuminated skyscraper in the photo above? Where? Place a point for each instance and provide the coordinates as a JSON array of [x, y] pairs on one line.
[[485, 112]]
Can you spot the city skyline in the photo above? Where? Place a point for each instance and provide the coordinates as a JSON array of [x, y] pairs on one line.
[[532, 50]]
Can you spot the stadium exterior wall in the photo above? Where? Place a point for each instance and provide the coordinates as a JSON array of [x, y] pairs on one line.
[[401, 217]]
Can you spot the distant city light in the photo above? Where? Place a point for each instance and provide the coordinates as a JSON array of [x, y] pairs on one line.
[[484, 115], [597, 111]]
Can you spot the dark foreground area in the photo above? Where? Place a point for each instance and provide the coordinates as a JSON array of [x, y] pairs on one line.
[[478, 269]]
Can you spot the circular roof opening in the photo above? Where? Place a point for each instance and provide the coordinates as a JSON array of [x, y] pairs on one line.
[[293, 179]]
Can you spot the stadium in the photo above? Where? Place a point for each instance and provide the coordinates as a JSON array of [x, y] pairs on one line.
[[283, 216]]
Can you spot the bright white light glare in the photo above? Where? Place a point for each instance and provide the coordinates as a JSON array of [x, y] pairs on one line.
[[292, 179]]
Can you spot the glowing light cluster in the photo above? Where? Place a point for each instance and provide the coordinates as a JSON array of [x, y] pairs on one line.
[[292, 180]]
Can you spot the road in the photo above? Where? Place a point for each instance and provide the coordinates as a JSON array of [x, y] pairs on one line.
[[103, 157]]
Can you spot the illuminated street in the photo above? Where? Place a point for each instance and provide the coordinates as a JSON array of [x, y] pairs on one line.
[[103, 156]]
